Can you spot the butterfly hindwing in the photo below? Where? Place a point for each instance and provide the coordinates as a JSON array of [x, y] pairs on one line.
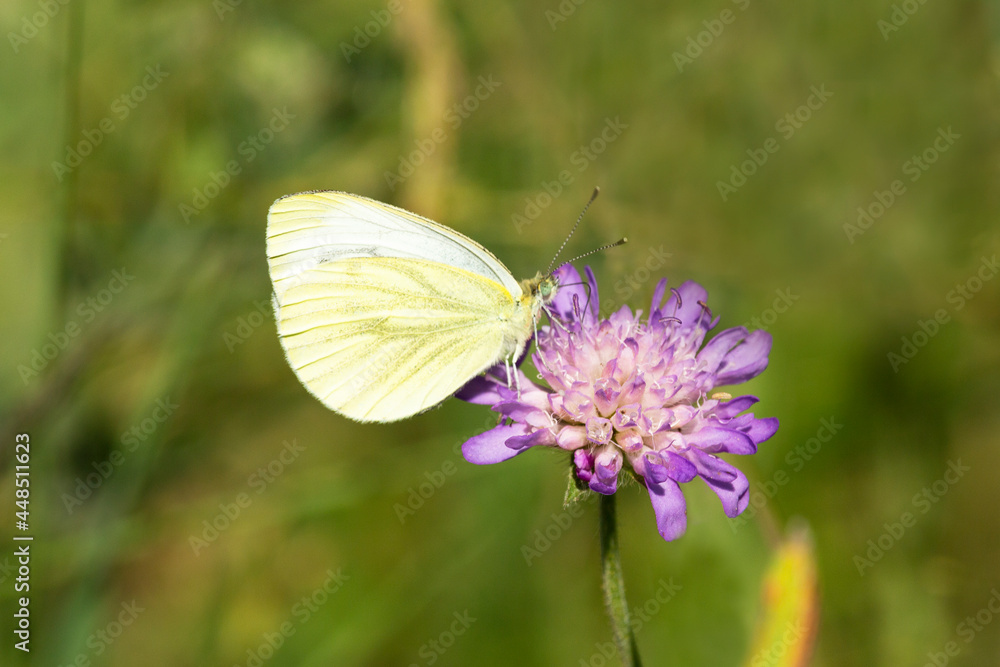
[[380, 339]]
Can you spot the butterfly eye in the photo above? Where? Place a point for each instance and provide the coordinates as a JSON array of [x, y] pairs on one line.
[[547, 288]]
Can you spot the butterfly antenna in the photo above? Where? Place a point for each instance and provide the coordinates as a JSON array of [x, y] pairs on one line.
[[621, 241], [597, 191]]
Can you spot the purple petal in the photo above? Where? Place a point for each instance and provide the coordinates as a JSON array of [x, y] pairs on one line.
[[729, 484], [679, 468], [599, 430], [479, 390], [608, 463], [746, 360], [633, 391], [572, 437], [604, 488], [625, 362], [523, 414], [669, 508], [595, 303], [688, 311], [654, 309], [717, 439], [535, 437], [570, 285], [490, 447], [660, 466], [682, 414], [607, 392], [629, 441], [583, 459], [763, 428], [731, 408], [757, 429], [653, 471], [714, 353], [577, 405], [586, 464], [622, 317], [712, 467]]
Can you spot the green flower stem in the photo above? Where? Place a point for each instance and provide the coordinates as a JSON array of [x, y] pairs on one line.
[[613, 583]]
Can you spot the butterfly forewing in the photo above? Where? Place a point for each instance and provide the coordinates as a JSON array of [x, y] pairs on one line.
[[312, 228]]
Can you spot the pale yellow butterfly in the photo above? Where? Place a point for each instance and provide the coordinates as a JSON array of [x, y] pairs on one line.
[[383, 313]]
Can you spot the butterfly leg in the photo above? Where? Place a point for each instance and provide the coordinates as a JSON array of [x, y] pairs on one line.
[[555, 321]]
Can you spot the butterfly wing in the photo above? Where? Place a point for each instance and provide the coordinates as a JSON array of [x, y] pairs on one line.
[[313, 228], [373, 331]]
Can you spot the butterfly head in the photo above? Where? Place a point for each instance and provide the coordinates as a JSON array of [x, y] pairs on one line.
[[540, 290], [547, 288]]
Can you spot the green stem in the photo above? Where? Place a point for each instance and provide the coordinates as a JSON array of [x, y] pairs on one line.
[[613, 583]]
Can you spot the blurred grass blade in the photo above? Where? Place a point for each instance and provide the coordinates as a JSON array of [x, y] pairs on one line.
[[70, 259], [788, 623]]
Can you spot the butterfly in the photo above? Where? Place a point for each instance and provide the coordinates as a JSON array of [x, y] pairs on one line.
[[382, 313]]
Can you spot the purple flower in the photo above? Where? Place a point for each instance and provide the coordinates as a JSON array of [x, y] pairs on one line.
[[631, 394]]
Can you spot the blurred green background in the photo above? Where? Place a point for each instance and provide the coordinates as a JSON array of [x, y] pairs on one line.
[[142, 145]]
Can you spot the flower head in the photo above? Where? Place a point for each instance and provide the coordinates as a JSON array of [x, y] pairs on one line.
[[633, 394]]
